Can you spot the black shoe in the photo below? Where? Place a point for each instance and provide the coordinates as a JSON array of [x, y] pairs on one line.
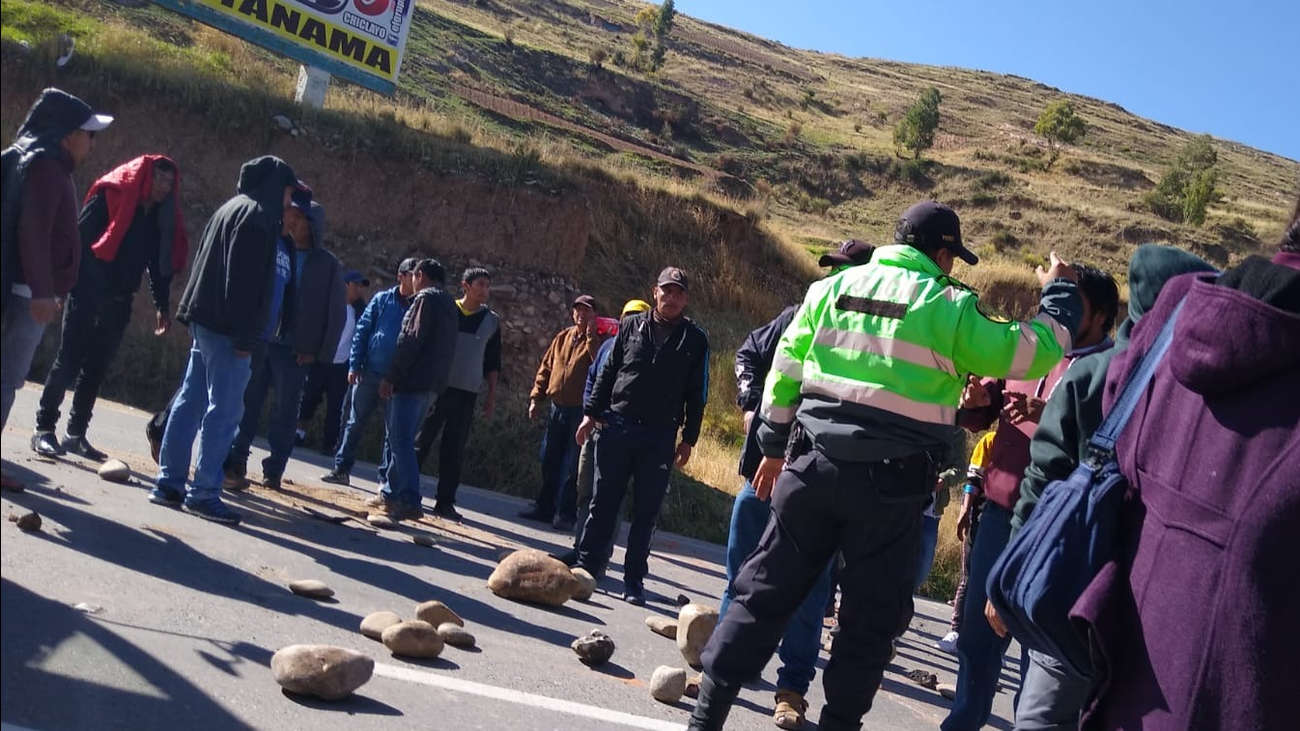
[[235, 479], [634, 594], [166, 496], [562, 524], [712, 705], [537, 514], [81, 446], [446, 510], [45, 444], [568, 558], [334, 477], [271, 482]]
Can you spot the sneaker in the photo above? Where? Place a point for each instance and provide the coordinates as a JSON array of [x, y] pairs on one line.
[[790, 710], [168, 496], [379, 502], [335, 477], [211, 509], [446, 510], [400, 512], [45, 444], [81, 447], [234, 481], [948, 644], [634, 594], [562, 524], [537, 514], [271, 482]]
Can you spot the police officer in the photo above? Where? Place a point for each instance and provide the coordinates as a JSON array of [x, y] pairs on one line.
[[861, 398]]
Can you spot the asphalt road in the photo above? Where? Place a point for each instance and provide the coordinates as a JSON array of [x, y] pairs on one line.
[[123, 614]]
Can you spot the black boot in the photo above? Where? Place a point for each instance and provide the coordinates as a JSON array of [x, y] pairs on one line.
[[828, 722], [713, 705]]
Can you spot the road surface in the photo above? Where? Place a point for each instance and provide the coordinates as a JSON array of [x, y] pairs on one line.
[[123, 614]]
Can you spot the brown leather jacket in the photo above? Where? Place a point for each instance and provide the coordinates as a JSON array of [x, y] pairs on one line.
[[563, 370]]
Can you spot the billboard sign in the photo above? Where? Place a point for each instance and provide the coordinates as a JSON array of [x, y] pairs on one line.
[[358, 40]]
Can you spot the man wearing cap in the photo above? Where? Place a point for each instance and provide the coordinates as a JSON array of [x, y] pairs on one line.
[[371, 355], [329, 380], [802, 638], [586, 474], [226, 305], [40, 248], [856, 414], [474, 369], [655, 381], [132, 221], [307, 315], [421, 364], [559, 379]]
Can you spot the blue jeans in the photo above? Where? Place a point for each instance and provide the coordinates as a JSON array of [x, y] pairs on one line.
[[20, 335], [208, 405], [929, 539], [979, 650], [402, 416], [363, 398], [275, 368], [803, 634], [560, 462]]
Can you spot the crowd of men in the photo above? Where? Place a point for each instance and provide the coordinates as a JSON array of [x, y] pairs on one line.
[[850, 401]]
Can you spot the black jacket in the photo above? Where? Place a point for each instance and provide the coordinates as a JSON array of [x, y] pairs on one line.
[[139, 251], [229, 286], [422, 358], [314, 311], [664, 385], [753, 361]]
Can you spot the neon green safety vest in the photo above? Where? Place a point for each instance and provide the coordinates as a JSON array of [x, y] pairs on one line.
[[898, 335]]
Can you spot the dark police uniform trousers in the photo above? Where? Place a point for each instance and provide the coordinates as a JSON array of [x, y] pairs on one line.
[[868, 511]]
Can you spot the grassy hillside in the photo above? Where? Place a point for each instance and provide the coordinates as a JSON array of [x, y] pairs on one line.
[[740, 159]]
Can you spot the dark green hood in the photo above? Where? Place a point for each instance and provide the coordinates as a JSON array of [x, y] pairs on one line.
[[1151, 266]]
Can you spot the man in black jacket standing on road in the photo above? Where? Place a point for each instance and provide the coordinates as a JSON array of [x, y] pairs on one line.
[[655, 380], [226, 307], [419, 372]]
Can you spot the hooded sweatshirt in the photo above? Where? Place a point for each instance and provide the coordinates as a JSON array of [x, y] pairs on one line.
[[1073, 412], [38, 222], [1194, 627], [314, 308], [229, 286]]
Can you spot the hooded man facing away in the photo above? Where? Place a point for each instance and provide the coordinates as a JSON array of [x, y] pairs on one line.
[[302, 329], [131, 222], [226, 306], [40, 250]]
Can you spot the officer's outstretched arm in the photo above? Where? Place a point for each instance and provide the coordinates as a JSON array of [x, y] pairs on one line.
[[1018, 350]]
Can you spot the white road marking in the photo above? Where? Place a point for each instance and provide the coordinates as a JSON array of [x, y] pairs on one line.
[[527, 699]]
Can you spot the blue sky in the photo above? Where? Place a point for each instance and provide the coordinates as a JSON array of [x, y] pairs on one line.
[[1231, 69]]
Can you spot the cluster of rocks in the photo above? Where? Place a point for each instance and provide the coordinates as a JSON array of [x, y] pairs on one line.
[[695, 624], [434, 626]]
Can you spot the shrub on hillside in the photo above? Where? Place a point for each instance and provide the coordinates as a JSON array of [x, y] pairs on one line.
[[915, 131], [1059, 125], [1189, 186]]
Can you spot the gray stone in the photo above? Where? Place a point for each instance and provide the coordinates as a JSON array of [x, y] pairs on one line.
[[923, 678], [594, 648], [331, 673], [532, 576], [375, 623], [947, 690], [311, 588], [668, 684], [379, 520], [662, 625], [695, 623], [455, 635], [412, 638], [424, 539], [29, 521], [437, 613], [693, 686], [115, 470], [586, 583]]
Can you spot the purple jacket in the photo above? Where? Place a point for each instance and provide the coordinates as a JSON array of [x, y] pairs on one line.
[[1196, 628]]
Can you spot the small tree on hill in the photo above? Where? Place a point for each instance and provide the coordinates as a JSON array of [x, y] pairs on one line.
[[1060, 126], [915, 131], [651, 42], [1189, 186]]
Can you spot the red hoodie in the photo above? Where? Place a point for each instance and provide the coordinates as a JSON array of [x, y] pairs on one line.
[[124, 187]]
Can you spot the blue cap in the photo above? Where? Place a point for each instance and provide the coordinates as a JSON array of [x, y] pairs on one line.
[[354, 276]]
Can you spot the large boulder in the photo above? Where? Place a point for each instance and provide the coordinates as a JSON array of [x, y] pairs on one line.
[[375, 623], [695, 623], [532, 576], [331, 673], [586, 583], [436, 613], [668, 684], [412, 638]]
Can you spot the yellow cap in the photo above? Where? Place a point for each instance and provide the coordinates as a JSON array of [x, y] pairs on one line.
[[634, 306]]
